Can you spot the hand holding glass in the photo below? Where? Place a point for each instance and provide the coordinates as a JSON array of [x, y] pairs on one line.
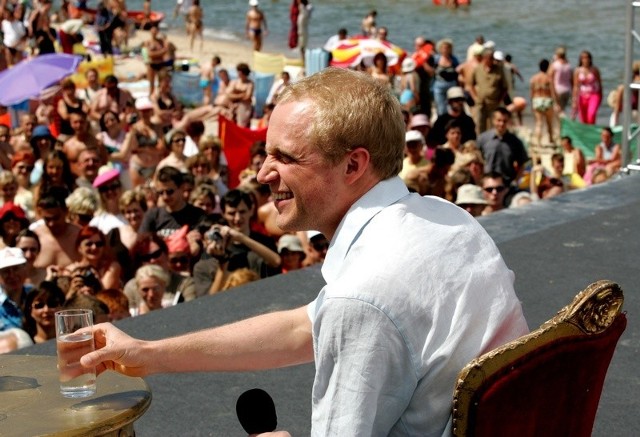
[[75, 381]]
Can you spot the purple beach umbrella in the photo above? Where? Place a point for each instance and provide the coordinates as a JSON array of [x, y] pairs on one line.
[[28, 78]]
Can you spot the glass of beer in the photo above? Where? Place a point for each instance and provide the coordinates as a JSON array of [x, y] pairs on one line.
[[75, 381]]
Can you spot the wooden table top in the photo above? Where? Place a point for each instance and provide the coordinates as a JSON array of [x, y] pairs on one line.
[[31, 403]]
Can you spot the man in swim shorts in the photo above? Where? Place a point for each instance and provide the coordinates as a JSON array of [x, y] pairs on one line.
[[255, 24]]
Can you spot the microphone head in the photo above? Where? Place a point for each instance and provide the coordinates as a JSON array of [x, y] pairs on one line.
[[256, 411]]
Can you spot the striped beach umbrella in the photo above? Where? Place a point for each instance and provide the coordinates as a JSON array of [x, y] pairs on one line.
[[358, 49]]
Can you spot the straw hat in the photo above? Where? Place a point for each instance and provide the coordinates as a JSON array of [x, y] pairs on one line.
[[469, 194]]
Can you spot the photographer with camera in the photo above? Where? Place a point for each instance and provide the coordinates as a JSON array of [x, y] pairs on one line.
[[244, 247]]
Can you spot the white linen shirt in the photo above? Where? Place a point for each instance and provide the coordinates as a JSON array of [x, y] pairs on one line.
[[415, 289]]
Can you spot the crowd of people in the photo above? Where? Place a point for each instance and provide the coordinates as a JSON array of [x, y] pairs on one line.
[[104, 192], [124, 205]]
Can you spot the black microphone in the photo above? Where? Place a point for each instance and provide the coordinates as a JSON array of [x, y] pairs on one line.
[[256, 411]]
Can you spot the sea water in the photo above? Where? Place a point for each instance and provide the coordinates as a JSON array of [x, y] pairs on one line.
[[75, 380]]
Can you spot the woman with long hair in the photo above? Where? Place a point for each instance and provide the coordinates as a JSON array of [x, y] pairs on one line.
[[56, 173], [587, 89], [40, 307]]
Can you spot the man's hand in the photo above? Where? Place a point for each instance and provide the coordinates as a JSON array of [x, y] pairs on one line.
[[117, 351]]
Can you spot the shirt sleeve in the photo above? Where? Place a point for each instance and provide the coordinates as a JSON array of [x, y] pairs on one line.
[[365, 377]]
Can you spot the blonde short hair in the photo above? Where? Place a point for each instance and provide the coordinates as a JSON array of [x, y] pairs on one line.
[[152, 271], [83, 200], [351, 110]]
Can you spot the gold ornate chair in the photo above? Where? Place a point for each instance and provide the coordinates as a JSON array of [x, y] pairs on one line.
[[546, 383]]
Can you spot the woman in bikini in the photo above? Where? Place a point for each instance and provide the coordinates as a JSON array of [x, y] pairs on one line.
[[542, 98], [144, 143], [166, 107], [155, 48]]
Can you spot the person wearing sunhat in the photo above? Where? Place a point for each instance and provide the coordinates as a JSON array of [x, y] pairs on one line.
[[12, 220], [414, 152], [291, 252], [408, 84], [12, 291], [470, 199], [455, 111], [42, 142], [109, 187]]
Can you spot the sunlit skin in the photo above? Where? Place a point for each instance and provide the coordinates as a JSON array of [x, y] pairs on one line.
[[133, 214], [495, 198], [44, 317], [151, 289], [54, 218], [171, 196], [29, 247], [239, 217], [298, 174], [54, 171], [92, 250], [500, 123]]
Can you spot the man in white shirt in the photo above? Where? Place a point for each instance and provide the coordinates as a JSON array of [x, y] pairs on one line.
[[415, 287]]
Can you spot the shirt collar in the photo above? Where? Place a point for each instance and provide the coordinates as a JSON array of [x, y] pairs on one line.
[[383, 194]]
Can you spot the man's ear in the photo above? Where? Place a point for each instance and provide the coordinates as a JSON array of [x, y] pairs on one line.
[[356, 164]]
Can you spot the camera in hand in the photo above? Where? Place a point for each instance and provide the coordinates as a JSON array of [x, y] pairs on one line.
[[214, 235]]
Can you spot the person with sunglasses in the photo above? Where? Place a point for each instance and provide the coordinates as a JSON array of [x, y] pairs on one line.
[[40, 307], [108, 216], [494, 191], [91, 244], [176, 157], [175, 212]]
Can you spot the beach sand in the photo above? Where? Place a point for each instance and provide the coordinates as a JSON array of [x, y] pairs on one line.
[[231, 53]]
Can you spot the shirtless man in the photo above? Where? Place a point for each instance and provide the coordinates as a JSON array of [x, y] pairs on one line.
[[110, 98], [23, 139], [80, 140], [256, 24], [57, 236], [194, 23]]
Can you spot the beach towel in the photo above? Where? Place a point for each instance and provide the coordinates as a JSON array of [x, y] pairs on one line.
[[586, 136], [268, 62]]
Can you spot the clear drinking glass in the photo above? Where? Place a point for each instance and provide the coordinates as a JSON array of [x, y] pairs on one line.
[[75, 380]]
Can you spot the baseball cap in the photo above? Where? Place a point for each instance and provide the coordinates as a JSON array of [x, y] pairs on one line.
[[11, 256], [290, 242], [455, 93], [419, 120], [106, 177], [413, 135]]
